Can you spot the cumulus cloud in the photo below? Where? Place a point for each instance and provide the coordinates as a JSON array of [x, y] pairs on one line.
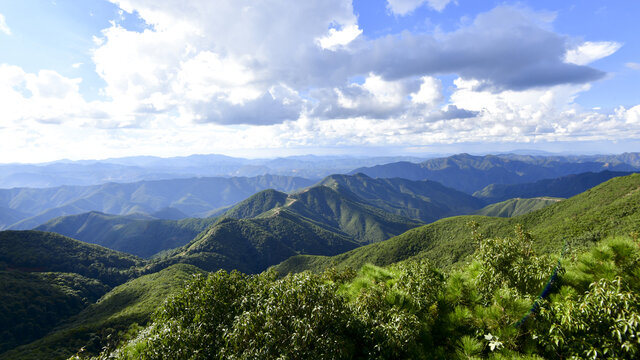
[[3, 26], [404, 7], [205, 60], [312, 78], [589, 52], [338, 38], [505, 48]]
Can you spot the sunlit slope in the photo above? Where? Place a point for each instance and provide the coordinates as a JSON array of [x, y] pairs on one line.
[[608, 209], [515, 207], [426, 201]]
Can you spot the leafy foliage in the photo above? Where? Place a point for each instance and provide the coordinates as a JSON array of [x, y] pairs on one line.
[[491, 308]]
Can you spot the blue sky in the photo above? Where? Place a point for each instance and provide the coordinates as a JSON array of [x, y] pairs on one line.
[[96, 78]]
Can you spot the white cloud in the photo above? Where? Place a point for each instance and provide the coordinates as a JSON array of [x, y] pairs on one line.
[[201, 65], [337, 38], [589, 52], [404, 7], [430, 92], [633, 65], [3, 25]]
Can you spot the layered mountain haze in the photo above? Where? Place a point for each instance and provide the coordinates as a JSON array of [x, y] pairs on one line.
[[192, 197], [140, 168]]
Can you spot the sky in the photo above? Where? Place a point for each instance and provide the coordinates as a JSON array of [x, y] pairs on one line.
[[95, 79]]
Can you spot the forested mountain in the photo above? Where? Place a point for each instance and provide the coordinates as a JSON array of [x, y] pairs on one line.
[[37, 251], [193, 197], [51, 283], [516, 206], [252, 245], [134, 234], [426, 201], [123, 308], [563, 187], [611, 208], [338, 210], [46, 278], [469, 173]]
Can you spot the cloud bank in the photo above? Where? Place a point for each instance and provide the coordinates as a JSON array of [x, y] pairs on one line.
[[232, 73]]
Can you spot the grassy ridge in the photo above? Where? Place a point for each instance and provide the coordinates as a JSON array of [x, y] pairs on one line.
[[515, 207]]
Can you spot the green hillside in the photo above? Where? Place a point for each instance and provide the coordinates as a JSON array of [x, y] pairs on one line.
[[133, 234], [509, 302], [257, 204], [515, 207], [337, 210], [608, 209], [50, 298], [252, 245], [426, 201], [131, 303], [563, 187], [36, 251]]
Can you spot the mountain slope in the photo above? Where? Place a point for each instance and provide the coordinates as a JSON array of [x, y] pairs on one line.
[[36, 251], [252, 245], [133, 234], [564, 187], [515, 207], [129, 303], [192, 197], [50, 298], [611, 208], [338, 210], [426, 201], [469, 173]]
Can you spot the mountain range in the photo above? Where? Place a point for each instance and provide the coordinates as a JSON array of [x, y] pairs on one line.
[[59, 294], [470, 173], [191, 197], [611, 208]]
